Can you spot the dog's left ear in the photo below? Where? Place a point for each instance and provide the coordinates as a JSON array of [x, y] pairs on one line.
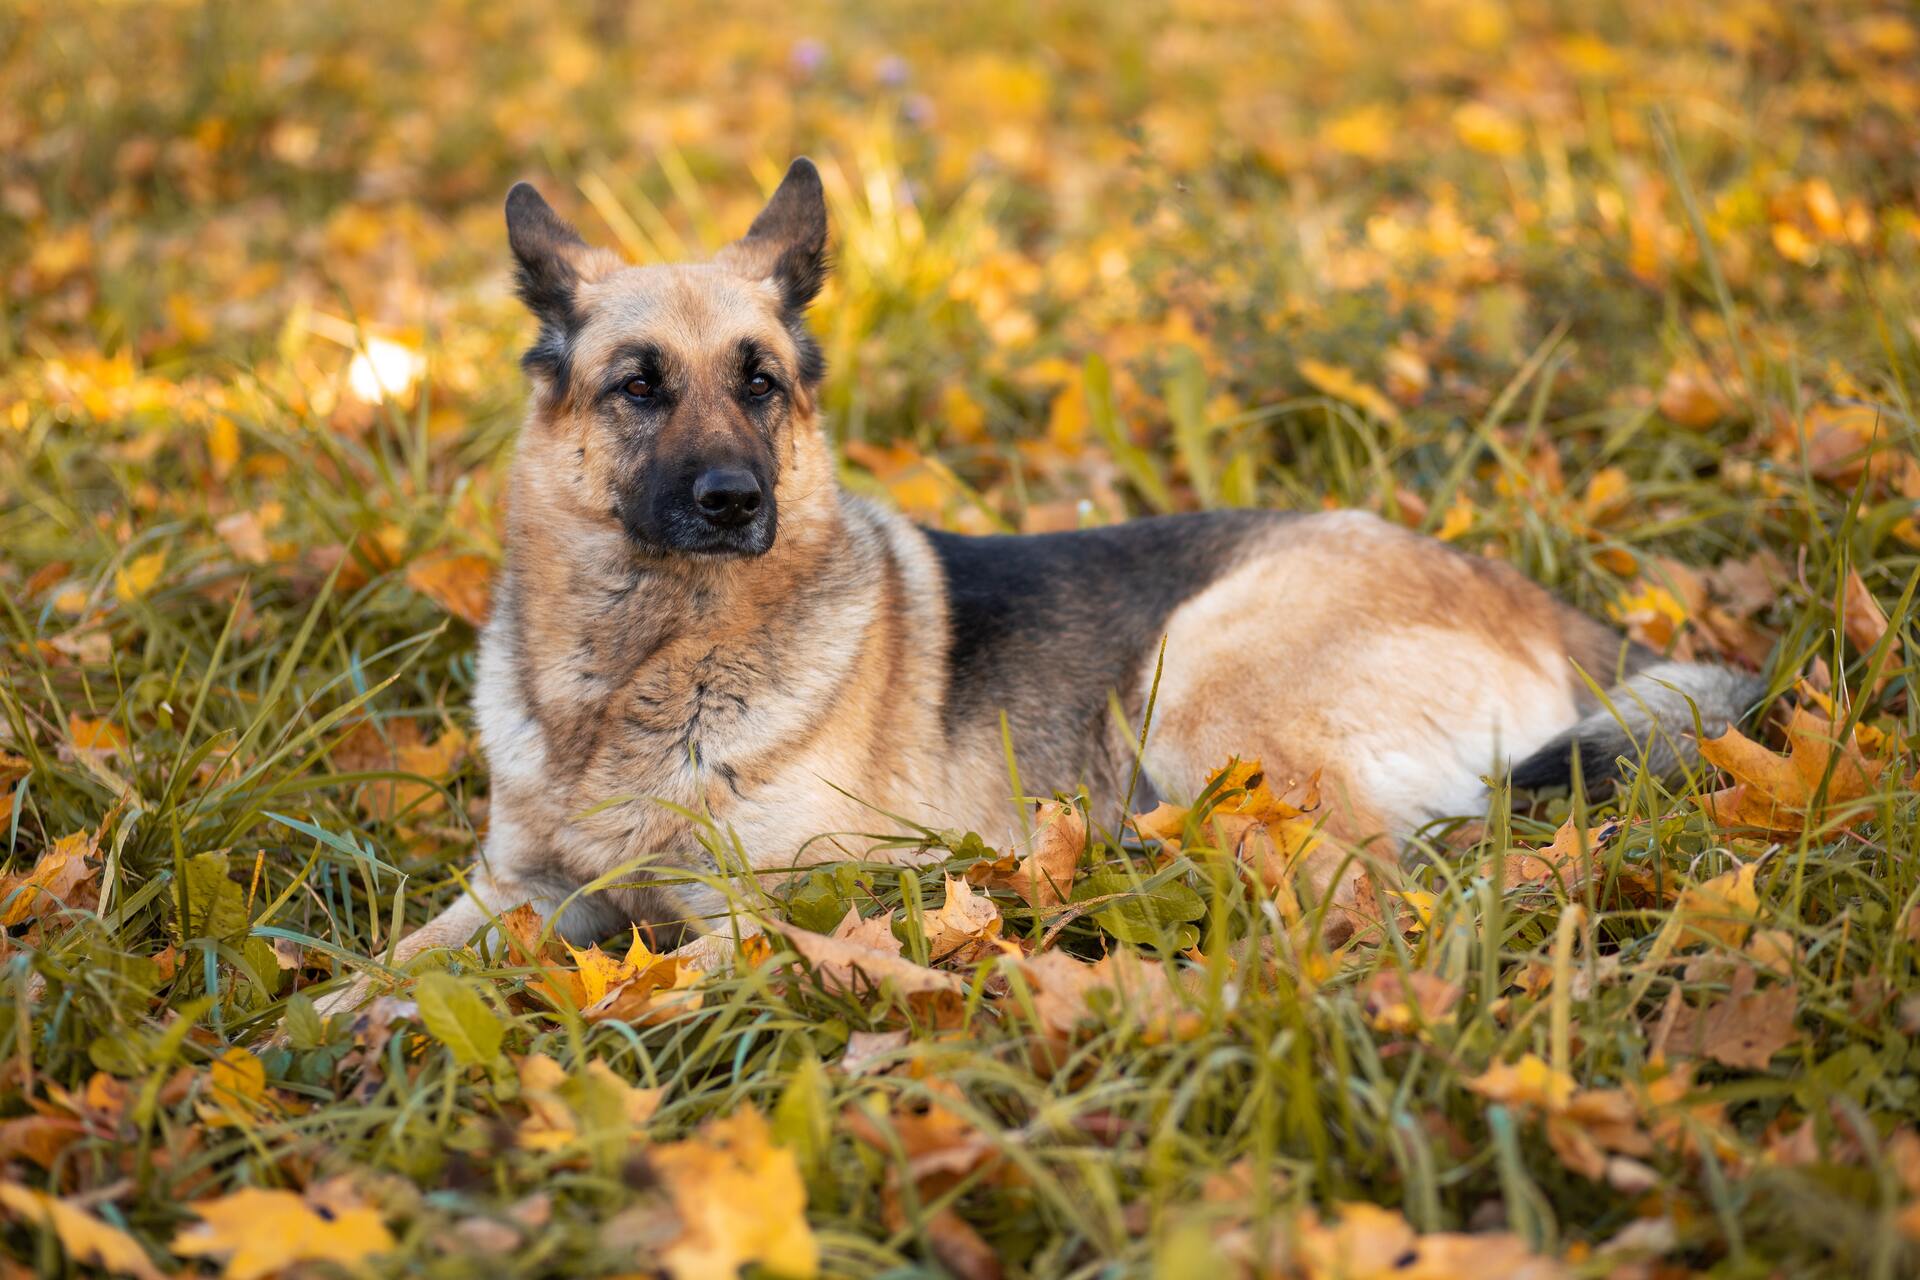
[[787, 243]]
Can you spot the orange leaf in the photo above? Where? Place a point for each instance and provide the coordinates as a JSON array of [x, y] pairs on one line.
[[60, 878], [95, 735], [460, 584]]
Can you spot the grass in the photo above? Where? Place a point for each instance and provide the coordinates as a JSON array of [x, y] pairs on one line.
[[1623, 298]]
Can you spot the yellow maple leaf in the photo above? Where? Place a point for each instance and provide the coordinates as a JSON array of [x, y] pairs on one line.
[[236, 1089], [739, 1198], [135, 578], [86, 1239], [1457, 521], [599, 972], [260, 1231], [1342, 384]]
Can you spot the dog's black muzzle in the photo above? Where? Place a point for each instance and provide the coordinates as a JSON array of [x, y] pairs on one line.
[[715, 508]]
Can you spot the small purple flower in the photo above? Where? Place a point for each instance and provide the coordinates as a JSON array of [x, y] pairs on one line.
[[807, 56], [893, 71], [917, 110]]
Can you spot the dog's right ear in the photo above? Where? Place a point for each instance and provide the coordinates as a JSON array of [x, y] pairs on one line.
[[548, 252]]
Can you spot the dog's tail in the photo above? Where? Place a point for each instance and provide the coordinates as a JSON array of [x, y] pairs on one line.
[[1651, 722]]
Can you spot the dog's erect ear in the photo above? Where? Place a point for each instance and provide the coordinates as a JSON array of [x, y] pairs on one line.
[[787, 243], [548, 252]]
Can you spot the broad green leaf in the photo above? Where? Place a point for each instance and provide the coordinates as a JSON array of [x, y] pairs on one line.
[[457, 1017], [1155, 916]]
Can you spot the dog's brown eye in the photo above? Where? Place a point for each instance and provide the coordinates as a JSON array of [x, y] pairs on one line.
[[759, 385], [639, 389]]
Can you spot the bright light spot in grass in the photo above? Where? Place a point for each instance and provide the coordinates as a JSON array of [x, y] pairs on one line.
[[384, 370]]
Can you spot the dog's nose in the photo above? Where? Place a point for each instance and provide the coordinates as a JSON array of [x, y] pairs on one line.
[[727, 496]]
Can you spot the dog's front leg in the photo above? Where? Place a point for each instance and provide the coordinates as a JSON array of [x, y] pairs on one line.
[[484, 900]]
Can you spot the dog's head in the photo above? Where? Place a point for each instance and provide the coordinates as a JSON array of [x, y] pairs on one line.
[[670, 399]]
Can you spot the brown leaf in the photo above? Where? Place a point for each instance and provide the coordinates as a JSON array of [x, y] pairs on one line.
[[1120, 987], [866, 1049], [964, 927], [1044, 878], [103, 736], [398, 746], [1744, 1028], [245, 536], [1563, 856], [875, 932], [1865, 621], [1394, 998], [848, 967], [1690, 397], [39, 1138]]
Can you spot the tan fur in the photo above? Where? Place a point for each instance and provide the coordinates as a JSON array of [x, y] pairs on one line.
[[794, 699]]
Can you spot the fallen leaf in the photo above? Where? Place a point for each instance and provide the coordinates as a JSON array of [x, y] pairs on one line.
[[1721, 909], [866, 1050], [12, 768], [850, 968], [646, 989], [560, 1107], [1341, 384], [259, 1232], [61, 878], [134, 579], [1528, 1082], [874, 931], [1121, 988], [1044, 878], [398, 746], [245, 536], [1691, 397], [964, 927], [740, 1200], [85, 1238], [1776, 793], [1742, 1029], [1866, 622], [1399, 1003], [95, 735], [236, 1090], [460, 584], [1570, 856]]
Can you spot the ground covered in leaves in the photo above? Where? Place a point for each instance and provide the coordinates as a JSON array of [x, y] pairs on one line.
[[1621, 294]]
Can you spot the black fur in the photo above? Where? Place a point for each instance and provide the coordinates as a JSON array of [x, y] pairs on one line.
[[1047, 626], [544, 245], [1552, 765], [795, 221]]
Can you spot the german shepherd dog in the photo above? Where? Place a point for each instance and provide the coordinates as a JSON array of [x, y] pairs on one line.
[[695, 628]]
